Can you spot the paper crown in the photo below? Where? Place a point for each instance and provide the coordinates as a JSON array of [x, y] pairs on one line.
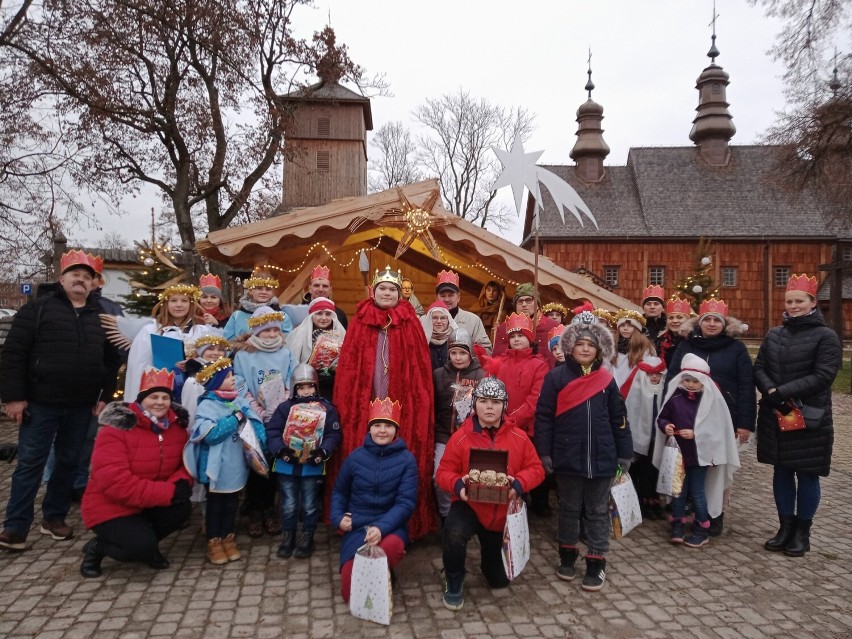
[[553, 306], [385, 410], [203, 376], [554, 332], [153, 378], [803, 283], [78, 258], [257, 280], [208, 279], [519, 322], [211, 340], [389, 276], [449, 278], [713, 305], [654, 291], [189, 290], [273, 317], [677, 305], [634, 317], [321, 272]]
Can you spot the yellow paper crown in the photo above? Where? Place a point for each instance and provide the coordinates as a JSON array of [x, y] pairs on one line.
[[192, 292], [627, 315], [203, 376], [275, 316]]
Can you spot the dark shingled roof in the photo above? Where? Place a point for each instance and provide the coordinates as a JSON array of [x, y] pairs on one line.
[[670, 192]]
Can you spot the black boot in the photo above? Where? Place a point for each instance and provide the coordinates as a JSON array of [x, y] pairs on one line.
[[716, 525], [595, 574], [92, 557], [782, 537], [159, 562], [800, 542], [567, 558], [288, 543], [305, 547]]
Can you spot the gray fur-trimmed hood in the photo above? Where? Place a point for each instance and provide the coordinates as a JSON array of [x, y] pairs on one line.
[[119, 415], [602, 332], [733, 327]]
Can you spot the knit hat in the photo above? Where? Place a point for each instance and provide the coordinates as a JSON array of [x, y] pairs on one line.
[[321, 304], [524, 290], [264, 317], [460, 338], [519, 322], [155, 381]]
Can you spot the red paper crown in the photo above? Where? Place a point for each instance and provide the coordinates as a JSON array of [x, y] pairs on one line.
[[385, 410], [713, 306], [78, 258], [208, 279], [153, 378], [803, 283], [321, 272], [556, 331], [519, 322], [677, 305], [655, 290], [447, 277]]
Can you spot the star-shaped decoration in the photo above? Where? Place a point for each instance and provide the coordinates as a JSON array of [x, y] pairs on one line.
[[417, 221], [519, 171]]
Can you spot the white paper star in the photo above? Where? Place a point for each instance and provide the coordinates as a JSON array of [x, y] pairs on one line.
[[519, 171]]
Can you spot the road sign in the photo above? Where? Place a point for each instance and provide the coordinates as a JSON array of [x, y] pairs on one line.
[[26, 289]]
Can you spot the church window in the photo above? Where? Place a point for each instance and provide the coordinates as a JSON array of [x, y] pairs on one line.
[[729, 276], [657, 276], [782, 274], [611, 276]]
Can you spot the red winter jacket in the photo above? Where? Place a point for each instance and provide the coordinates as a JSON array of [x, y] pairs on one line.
[[524, 465], [133, 468], [523, 374]]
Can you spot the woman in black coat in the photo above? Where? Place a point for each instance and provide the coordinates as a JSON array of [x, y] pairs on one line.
[[797, 363], [712, 337]]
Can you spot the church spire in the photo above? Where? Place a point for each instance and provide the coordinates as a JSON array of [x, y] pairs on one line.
[[589, 150]]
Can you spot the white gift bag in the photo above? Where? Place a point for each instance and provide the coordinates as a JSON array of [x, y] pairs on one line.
[[516, 539], [370, 595], [672, 471], [624, 506]]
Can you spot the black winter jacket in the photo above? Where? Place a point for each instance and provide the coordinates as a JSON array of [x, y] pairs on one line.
[[587, 440], [443, 379], [800, 360], [730, 367], [58, 355]]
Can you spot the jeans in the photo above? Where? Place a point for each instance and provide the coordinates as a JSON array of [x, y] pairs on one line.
[[790, 499], [63, 427], [81, 477], [136, 537], [590, 496], [461, 525], [693, 488], [300, 496]]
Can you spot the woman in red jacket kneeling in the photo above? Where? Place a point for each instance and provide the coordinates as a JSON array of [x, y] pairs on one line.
[[488, 427], [138, 491]]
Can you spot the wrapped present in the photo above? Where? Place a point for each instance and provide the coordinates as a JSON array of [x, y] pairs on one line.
[[304, 428], [272, 392], [326, 352], [487, 478]]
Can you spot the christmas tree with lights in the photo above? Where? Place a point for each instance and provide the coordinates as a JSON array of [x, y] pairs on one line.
[[698, 285], [159, 269]]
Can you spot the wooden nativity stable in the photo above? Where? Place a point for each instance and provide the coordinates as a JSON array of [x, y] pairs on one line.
[[293, 243]]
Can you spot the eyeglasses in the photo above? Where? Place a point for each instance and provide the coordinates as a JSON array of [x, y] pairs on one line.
[[525, 300]]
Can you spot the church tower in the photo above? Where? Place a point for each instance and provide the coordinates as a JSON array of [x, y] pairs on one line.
[[589, 150], [713, 126]]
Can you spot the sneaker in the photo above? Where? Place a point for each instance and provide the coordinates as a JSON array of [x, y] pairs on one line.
[[57, 529], [595, 574], [567, 559], [696, 540], [10, 540], [453, 599], [677, 533]]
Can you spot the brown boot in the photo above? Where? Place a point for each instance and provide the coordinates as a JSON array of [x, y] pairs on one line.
[[216, 552], [229, 545]]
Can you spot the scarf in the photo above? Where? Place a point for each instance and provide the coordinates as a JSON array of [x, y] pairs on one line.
[[225, 395], [158, 424], [433, 336], [267, 344], [579, 389], [250, 307]]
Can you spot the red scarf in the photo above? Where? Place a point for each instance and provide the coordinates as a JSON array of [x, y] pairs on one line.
[[645, 368], [582, 388]]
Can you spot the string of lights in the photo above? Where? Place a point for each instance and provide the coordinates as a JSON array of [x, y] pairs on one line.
[[328, 253]]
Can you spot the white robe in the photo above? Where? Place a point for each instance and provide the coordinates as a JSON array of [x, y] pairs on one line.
[[640, 410]]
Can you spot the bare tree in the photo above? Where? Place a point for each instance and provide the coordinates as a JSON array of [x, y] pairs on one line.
[[397, 161], [114, 240], [187, 97], [457, 148]]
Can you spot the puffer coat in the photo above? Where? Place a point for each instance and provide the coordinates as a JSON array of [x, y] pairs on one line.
[[800, 359]]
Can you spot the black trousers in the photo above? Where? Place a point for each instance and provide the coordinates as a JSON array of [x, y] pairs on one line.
[[460, 526], [137, 537], [221, 515]]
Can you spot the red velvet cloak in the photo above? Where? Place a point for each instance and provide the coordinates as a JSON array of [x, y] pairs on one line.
[[409, 382]]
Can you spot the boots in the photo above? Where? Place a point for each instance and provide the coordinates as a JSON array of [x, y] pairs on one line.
[[215, 552], [229, 545], [288, 544], [800, 542], [595, 573], [784, 534], [716, 525], [92, 557], [676, 536], [305, 547], [700, 534], [567, 558]]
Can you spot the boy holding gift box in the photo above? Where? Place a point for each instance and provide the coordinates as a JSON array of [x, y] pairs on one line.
[[303, 433]]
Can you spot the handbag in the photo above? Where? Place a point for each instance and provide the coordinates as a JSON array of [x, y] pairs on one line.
[[624, 506], [516, 539], [370, 593], [672, 471], [793, 420]]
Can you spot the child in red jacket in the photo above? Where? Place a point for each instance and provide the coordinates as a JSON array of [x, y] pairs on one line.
[[488, 427]]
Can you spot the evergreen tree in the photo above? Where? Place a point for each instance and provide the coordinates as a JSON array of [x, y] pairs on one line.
[[698, 285], [147, 283]]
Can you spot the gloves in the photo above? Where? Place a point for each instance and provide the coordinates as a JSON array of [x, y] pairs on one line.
[[182, 492], [317, 457], [547, 462], [775, 401], [288, 455], [625, 465]]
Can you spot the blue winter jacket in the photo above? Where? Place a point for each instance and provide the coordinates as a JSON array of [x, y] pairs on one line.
[[587, 440], [275, 432], [377, 486]]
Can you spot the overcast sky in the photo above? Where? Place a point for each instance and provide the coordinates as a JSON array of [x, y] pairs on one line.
[[646, 56]]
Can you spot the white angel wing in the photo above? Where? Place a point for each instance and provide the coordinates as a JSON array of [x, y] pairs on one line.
[[121, 330]]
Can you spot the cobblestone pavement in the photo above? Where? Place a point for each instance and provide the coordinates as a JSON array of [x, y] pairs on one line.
[[731, 588]]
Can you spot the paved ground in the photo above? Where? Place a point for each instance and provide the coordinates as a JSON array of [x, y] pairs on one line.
[[731, 588]]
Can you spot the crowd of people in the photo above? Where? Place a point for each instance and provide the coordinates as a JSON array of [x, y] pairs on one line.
[[377, 423]]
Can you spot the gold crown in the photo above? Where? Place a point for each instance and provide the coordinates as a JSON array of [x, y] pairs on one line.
[[203, 376], [275, 316], [604, 315], [554, 306], [192, 292], [256, 282], [385, 410], [211, 340], [153, 378], [208, 279], [803, 283], [79, 258], [627, 315], [389, 276]]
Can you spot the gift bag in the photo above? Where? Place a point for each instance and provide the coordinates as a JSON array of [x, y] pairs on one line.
[[516, 539], [253, 451], [272, 392], [672, 471], [370, 595], [624, 506]]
